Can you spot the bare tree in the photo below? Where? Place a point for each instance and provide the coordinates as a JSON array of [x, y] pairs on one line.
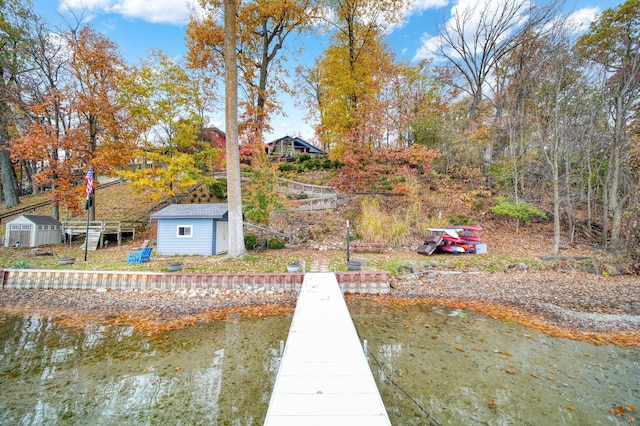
[[477, 38], [612, 43]]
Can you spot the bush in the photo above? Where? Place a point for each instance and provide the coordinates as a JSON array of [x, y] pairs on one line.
[[275, 243], [286, 167], [219, 189], [22, 264], [520, 210], [303, 157], [459, 220], [250, 240]]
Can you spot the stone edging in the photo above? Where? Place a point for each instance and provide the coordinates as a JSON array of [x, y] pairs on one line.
[[352, 282]]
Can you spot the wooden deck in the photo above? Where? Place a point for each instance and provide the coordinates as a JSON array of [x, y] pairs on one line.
[[324, 377]]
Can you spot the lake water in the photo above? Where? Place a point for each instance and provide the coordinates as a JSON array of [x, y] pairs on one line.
[[433, 366]]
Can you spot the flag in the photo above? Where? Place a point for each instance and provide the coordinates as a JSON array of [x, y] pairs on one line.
[[89, 179]]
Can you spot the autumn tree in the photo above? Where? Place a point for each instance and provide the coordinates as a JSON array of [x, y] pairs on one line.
[[263, 29], [98, 68], [612, 43], [353, 72], [167, 104], [260, 193], [44, 142]]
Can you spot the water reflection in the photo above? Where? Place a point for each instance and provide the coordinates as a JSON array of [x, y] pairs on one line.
[[446, 367], [433, 366], [219, 373]]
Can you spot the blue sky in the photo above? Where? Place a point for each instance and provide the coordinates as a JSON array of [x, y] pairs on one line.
[[138, 26]]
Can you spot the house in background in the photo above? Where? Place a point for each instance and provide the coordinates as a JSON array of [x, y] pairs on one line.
[[288, 147], [193, 229], [33, 231], [217, 139]]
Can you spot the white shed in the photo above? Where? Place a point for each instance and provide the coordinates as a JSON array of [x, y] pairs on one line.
[[32, 231]]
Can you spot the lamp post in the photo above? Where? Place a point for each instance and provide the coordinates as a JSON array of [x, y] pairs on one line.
[[348, 240]]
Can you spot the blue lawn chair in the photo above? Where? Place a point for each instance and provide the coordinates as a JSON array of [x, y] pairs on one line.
[[140, 256], [135, 256], [146, 254]]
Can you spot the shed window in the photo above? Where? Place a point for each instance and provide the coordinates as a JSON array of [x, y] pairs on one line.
[[15, 227], [26, 227], [184, 231]]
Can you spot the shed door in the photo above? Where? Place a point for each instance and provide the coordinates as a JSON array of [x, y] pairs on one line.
[[20, 233], [222, 237]]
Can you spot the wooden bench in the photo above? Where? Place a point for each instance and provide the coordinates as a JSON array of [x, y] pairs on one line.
[[364, 246], [260, 244]]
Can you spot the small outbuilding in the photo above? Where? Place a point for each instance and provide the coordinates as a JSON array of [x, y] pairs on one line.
[[32, 231], [193, 229]]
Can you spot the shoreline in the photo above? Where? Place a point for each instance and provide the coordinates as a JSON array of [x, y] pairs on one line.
[[573, 305]]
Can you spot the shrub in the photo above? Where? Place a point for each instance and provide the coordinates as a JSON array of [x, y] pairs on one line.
[[21, 264], [459, 220], [250, 240], [521, 210], [219, 189], [303, 157], [286, 167], [275, 243]]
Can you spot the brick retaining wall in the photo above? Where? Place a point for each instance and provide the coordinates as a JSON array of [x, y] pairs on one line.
[[352, 282]]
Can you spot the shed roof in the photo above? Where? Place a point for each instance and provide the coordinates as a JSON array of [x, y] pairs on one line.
[[174, 211], [41, 220]]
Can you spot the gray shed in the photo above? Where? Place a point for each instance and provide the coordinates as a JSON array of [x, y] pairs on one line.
[[193, 229], [32, 231]]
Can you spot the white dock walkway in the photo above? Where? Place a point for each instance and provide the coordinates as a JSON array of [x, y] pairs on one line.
[[324, 377]]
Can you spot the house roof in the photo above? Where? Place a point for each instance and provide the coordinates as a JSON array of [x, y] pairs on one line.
[[41, 220], [300, 144], [175, 211]]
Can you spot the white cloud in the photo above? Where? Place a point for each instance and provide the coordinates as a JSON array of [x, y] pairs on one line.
[[174, 12], [470, 12], [422, 5], [416, 8], [580, 20], [428, 45]]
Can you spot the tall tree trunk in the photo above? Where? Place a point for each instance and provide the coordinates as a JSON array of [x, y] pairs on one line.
[[555, 181], [605, 208], [614, 202], [6, 169], [234, 191]]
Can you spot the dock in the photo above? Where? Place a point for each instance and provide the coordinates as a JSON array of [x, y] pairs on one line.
[[324, 377]]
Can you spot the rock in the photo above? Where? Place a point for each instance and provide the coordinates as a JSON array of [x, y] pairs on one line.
[[521, 266]]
